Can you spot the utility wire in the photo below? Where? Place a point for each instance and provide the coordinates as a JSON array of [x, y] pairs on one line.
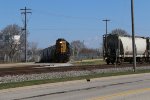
[[65, 16]]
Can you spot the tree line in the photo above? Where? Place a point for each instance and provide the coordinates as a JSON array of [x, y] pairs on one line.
[[12, 46], [14, 51]]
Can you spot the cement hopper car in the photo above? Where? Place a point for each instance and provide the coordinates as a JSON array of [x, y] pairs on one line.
[[117, 48]]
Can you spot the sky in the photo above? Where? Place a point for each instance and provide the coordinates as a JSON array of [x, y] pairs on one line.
[[75, 19]]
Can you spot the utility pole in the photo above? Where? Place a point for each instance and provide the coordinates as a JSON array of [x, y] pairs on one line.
[[106, 20], [25, 11], [133, 36]]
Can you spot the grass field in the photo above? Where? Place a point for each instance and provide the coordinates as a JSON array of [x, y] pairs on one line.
[[90, 62]]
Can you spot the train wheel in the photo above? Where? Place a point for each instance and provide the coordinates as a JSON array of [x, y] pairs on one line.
[[119, 61], [112, 62], [107, 61], [142, 60]]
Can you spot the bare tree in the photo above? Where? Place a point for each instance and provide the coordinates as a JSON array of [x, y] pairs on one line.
[[77, 46], [119, 32], [33, 51], [11, 48], [90, 53]]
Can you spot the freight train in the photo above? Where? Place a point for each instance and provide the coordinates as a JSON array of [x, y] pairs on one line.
[[118, 48], [58, 53]]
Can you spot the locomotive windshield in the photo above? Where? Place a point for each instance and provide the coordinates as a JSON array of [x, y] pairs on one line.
[[63, 46]]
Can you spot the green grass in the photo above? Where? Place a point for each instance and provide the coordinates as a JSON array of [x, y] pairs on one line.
[[37, 82], [90, 62]]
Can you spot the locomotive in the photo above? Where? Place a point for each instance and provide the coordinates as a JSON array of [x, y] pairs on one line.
[[118, 48], [58, 53]]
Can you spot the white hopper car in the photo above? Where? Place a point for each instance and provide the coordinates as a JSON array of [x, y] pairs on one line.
[[117, 48]]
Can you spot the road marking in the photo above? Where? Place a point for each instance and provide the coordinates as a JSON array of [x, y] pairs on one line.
[[125, 93]]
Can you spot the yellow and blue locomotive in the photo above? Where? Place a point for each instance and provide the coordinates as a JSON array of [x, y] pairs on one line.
[[59, 53]]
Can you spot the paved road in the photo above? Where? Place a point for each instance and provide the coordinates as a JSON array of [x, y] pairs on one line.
[[129, 87]]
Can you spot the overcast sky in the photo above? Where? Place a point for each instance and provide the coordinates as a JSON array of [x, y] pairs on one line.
[[75, 19]]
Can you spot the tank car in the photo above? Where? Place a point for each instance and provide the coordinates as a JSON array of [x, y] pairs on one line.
[[117, 48], [58, 53]]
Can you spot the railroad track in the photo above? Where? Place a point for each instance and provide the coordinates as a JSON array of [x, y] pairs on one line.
[[41, 69]]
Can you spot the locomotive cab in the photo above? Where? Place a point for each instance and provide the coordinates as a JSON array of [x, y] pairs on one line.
[[62, 47], [62, 50]]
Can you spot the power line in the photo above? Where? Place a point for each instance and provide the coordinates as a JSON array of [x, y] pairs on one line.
[[67, 29], [25, 11], [66, 16]]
